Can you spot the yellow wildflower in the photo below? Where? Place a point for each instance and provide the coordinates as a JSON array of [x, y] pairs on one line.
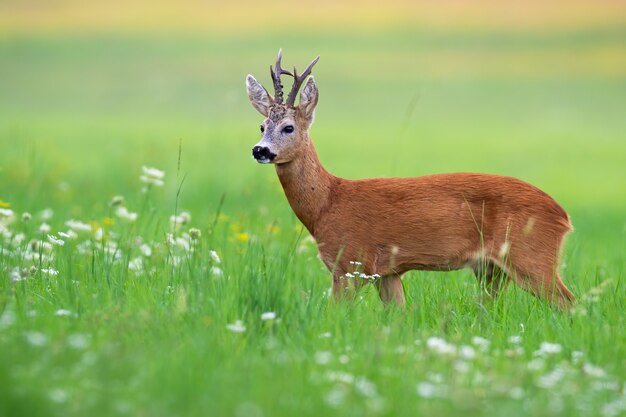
[[273, 229], [242, 237]]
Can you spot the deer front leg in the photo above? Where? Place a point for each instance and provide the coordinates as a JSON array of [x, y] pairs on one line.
[[491, 277], [346, 287], [390, 290]]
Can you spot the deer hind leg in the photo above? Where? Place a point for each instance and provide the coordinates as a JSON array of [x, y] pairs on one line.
[[542, 280], [390, 290], [491, 277]]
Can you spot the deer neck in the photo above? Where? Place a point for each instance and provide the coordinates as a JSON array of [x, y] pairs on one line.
[[307, 185]]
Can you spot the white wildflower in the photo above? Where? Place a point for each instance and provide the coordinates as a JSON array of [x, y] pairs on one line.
[[117, 200], [6, 216], [216, 271], [78, 341], [123, 213], [37, 257], [481, 342], [111, 248], [183, 243], [177, 221], [323, 357], [547, 348], [536, 364], [152, 176], [515, 340], [36, 338], [46, 214], [15, 275], [344, 359], [62, 312], [467, 352], [44, 228], [607, 386], [98, 234], [344, 377], [5, 212], [136, 264], [5, 232], [19, 238], [145, 250], [614, 408], [84, 248], [336, 396], [550, 379], [195, 233], [7, 319], [461, 367], [440, 346], [593, 371], [58, 395], [577, 355], [365, 387], [268, 315], [40, 246], [325, 335], [215, 257], [50, 271], [236, 327], [55, 241], [426, 390], [78, 226], [26, 216]]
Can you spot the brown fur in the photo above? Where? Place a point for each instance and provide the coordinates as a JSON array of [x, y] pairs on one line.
[[501, 227]]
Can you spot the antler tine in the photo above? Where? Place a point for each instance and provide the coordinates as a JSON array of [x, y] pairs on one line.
[[278, 87], [298, 80]]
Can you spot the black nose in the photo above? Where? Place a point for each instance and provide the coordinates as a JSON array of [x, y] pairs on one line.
[[261, 153]]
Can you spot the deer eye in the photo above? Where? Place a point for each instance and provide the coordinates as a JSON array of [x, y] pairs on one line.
[[262, 128], [288, 129]]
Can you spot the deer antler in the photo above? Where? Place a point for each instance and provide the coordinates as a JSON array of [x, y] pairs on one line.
[[278, 87], [297, 82]]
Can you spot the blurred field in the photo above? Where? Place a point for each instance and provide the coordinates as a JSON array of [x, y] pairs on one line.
[[91, 92]]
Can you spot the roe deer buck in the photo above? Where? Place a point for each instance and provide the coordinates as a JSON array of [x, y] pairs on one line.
[[501, 227]]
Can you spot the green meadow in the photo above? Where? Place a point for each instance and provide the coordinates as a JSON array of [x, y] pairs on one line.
[[159, 304]]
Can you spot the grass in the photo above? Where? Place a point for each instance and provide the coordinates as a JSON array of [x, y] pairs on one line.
[[82, 114]]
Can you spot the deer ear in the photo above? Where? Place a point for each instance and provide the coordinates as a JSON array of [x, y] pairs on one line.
[[308, 99], [258, 95]]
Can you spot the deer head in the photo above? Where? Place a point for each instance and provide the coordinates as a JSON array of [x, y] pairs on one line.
[[284, 132]]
